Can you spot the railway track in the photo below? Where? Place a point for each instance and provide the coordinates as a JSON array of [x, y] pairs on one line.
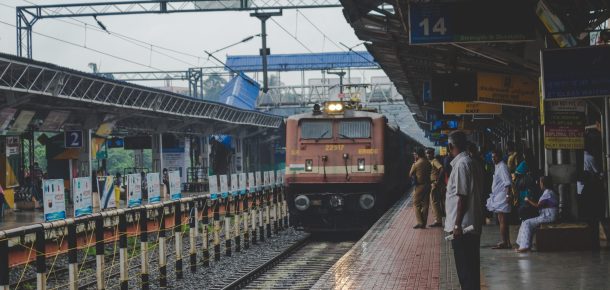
[[298, 267]]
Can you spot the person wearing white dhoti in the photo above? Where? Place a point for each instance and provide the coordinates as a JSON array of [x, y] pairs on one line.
[[499, 199], [548, 206]]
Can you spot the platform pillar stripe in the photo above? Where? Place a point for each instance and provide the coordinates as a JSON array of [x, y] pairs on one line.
[[217, 230], [261, 214], [237, 224], [162, 249], [178, 238], [144, 274], [41, 265], [246, 221], [4, 267], [99, 252], [268, 213], [254, 215], [227, 227], [193, 236], [123, 257], [205, 235]]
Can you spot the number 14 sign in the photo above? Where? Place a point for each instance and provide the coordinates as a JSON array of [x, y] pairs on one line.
[[73, 139]]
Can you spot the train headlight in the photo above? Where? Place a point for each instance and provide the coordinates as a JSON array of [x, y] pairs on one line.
[[308, 165], [361, 164], [302, 202], [333, 107], [367, 201]]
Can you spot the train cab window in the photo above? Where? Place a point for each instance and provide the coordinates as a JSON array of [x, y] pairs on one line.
[[355, 129], [316, 129]]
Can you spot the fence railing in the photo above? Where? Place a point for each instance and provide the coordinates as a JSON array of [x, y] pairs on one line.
[[92, 251]]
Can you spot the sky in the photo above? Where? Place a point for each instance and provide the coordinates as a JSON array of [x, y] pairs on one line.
[[191, 33]]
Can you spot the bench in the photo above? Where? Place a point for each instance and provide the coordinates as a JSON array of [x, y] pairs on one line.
[[563, 237]]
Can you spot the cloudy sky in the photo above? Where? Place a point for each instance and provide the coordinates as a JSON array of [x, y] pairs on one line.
[[188, 33]]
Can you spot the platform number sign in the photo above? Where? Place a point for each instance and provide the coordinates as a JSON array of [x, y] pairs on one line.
[[73, 139]]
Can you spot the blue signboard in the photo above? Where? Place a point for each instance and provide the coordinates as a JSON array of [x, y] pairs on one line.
[[427, 92], [73, 139], [576, 72], [471, 21]]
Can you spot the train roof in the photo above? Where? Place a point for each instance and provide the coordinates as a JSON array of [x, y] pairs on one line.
[[346, 114]]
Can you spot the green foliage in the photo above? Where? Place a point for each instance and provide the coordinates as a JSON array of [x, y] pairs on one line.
[[212, 86], [119, 159]]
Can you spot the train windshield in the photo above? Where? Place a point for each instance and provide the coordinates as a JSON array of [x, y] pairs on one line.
[[349, 129], [316, 129]]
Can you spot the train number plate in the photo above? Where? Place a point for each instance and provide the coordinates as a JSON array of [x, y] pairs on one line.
[[334, 147]]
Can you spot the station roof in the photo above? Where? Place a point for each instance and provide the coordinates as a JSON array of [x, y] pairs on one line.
[[43, 87], [303, 61]]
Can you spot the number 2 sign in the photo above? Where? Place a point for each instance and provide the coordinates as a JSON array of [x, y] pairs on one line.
[[73, 139]]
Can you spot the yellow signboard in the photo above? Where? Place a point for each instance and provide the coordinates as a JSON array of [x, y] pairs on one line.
[[509, 90], [443, 151], [469, 108]]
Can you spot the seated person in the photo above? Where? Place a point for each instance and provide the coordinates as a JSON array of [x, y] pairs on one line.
[[548, 207]]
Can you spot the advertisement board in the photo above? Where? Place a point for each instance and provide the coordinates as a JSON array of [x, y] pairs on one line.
[[234, 184], [134, 190], [224, 185], [154, 187], [174, 185], [243, 183], [564, 124], [509, 90], [105, 186], [251, 182], [53, 199], [83, 201], [213, 185]]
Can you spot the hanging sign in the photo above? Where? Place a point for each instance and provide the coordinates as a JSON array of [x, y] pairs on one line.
[[73, 139], [213, 185], [509, 90], [470, 21], [174, 185], [224, 185], [154, 187], [6, 116], [564, 125], [81, 190], [54, 120], [105, 186], [53, 199], [470, 108], [22, 121], [134, 190]]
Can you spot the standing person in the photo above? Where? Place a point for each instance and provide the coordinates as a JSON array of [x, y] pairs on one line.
[[420, 172], [548, 207], [166, 181], [590, 201], [462, 205], [435, 188], [37, 176], [500, 198]]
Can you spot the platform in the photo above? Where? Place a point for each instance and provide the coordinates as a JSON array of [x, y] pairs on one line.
[[393, 255]]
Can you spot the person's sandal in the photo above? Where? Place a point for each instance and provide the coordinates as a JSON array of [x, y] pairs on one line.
[[524, 250]]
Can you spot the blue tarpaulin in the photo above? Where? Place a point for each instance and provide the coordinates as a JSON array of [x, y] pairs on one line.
[[241, 91], [304, 61]]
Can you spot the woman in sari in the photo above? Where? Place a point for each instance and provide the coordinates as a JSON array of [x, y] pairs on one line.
[[548, 206]]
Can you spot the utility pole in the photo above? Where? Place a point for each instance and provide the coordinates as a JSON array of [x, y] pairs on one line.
[[263, 16], [341, 74]]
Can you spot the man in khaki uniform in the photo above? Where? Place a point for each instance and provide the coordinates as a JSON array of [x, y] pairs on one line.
[[435, 189], [420, 171]]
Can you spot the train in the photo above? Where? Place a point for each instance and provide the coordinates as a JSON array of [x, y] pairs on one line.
[[345, 165]]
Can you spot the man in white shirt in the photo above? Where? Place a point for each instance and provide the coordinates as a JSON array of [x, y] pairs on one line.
[[463, 208], [499, 199]]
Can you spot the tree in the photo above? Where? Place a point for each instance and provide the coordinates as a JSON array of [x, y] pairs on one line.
[[212, 86]]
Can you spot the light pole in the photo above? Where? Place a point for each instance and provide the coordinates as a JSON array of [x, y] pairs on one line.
[[263, 16]]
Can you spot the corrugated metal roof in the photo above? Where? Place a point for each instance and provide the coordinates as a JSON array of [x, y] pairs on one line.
[[241, 92], [304, 61]]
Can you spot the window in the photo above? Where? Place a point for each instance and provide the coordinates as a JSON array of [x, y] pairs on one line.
[[315, 129], [355, 129]]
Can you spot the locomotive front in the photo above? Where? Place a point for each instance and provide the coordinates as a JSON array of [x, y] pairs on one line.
[[335, 167]]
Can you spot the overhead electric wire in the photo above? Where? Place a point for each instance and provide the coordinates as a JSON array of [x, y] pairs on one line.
[[87, 48], [319, 30], [143, 44]]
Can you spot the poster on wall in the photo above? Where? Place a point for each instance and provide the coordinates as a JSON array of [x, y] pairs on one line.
[[564, 124], [508, 90], [213, 184], [134, 190], [174, 185], [54, 200], [105, 185], [154, 187], [224, 185], [251, 183], [83, 203]]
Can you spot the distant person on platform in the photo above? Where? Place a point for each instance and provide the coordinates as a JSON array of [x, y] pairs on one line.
[[435, 188], [462, 205], [499, 201], [420, 174]]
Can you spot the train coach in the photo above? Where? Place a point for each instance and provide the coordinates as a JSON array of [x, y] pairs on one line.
[[345, 165]]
